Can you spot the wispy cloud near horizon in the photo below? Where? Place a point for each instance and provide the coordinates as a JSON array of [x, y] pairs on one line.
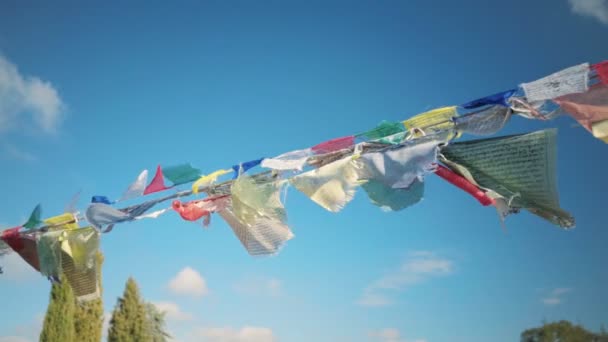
[[417, 268]]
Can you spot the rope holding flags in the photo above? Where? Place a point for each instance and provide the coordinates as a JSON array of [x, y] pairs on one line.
[[390, 162]]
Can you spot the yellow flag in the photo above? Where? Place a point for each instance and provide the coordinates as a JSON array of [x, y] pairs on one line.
[[208, 179], [63, 221], [437, 119], [600, 130]]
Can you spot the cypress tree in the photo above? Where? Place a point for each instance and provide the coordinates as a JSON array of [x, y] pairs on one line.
[[88, 318], [129, 319], [156, 324], [59, 319]]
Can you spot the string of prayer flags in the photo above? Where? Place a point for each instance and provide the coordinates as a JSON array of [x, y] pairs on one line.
[[34, 220], [209, 179], [157, 184], [518, 169], [334, 145], [294, 160], [590, 108], [181, 174], [244, 167], [601, 70], [436, 120], [567, 81], [331, 186], [501, 99], [384, 129], [136, 188], [485, 122]]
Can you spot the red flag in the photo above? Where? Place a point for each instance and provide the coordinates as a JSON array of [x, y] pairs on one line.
[[601, 69], [334, 145], [157, 184]]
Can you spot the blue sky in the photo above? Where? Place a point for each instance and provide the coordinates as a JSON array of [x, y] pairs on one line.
[[113, 89]]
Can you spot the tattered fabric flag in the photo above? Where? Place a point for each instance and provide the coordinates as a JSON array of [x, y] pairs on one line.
[[463, 184], [253, 199], [22, 244], [570, 80], [136, 188], [157, 184], [519, 170], [209, 179], [496, 99], [264, 237], [331, 186], [34, 220], [436, 120], [100, 215], [334, 145], [390, 199], [393, 177], [587, 108], [294, 160], [100, 199], [66, 221], [486, 122], [73, 253], [194, 210], [602, 71], [243, 167], [399, 167], [384, 129], [181, 174]]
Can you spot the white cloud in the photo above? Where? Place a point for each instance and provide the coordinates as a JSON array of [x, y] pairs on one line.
[[260, 286], [173, 311], [597, 9], [16, 269], [189, 282], [22, 96], [19, 154], [417, 268], [555, 297], [244, 334], [390, 335], [386, 335]]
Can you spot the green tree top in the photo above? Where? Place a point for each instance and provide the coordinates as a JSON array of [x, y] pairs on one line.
[[129, 318]]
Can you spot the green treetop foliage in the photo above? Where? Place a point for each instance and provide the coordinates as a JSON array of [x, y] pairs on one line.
[[562, 331], [88, 318], [129, 318], [156, 324], [59, 319]]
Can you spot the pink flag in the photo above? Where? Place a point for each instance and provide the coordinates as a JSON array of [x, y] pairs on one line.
[[157, 184], [334, 145], [588, 107], [601, 69]]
